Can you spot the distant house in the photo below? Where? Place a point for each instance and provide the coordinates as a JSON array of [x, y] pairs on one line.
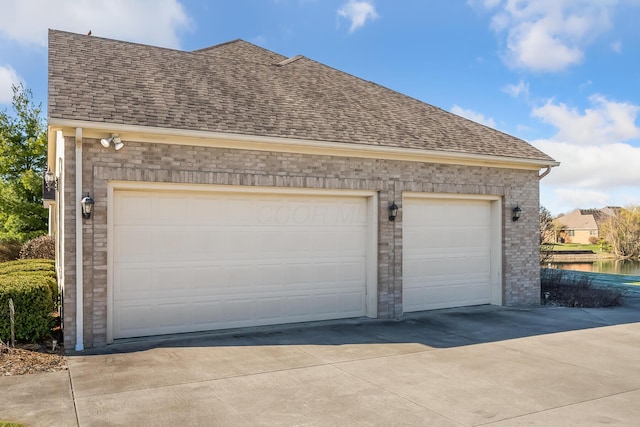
[[584, 225]]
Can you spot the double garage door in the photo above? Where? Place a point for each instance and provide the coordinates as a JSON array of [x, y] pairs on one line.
[[193, 261]]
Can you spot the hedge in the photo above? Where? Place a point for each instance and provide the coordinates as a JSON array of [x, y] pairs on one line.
[[25, 265], [32, 286]]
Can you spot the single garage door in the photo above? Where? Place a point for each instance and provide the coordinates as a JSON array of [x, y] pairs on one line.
[[194, 261], [447, 251]]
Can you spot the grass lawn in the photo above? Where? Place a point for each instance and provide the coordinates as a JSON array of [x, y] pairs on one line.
[[575, 247]]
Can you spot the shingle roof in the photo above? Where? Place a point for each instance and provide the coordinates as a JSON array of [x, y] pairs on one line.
[[578, 219], [588, 218], [237, 87]]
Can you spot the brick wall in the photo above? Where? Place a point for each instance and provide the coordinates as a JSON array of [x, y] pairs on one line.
[[169, 163]]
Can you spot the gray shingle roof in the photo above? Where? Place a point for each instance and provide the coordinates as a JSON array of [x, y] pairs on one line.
[[237, 87]]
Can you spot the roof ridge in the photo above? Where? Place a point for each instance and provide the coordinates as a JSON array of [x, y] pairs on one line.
[[215, 46], [289, 60], [126, 42]]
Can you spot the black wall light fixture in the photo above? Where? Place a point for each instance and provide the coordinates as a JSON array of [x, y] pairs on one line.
[[516, 213], [50, 180], [393, 211], [87, 206]]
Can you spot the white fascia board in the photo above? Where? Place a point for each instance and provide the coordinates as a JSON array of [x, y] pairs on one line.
[[52, 139], [291, 145]]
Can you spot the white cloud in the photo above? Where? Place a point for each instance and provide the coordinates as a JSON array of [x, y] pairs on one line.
[[549, 35], [564, 200], [490, 4], [616, 46], [8, 78], [600, 168], [607, 122], [358, 12], [598, 152], [522, 88], [487, 4], [156, 22], [474, 116]]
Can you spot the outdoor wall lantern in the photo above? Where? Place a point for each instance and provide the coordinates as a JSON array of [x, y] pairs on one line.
[[117, 142], [516, 213], [50, 180], [393, 211], [87, 206]]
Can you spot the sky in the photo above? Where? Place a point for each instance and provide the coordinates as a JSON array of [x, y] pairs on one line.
[[563, 75]]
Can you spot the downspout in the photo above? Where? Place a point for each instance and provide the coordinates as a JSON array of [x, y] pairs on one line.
[[545, 173], [79, 250]]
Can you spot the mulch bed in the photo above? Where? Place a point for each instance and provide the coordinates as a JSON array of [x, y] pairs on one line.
[[31, 358]]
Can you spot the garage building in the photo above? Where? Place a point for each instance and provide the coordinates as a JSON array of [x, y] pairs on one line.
[[235, 187]]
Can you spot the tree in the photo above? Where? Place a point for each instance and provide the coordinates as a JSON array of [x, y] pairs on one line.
[[622, 231], [23, 154], [546, 235], [546, 226]]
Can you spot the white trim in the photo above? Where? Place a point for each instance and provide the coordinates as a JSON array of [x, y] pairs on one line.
[[496, 251], [60, 234], [417, 195], [293, 145], [372, 227], [218, 188], [79, 248], [110, 189], [496, 232], [372, 256]]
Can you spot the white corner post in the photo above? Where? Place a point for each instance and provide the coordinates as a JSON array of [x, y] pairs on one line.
[[79, 250]]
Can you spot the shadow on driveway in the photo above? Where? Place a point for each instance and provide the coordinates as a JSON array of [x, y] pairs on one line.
[[445, 328]]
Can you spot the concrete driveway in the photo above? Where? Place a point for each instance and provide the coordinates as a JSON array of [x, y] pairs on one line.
[[472, 366]]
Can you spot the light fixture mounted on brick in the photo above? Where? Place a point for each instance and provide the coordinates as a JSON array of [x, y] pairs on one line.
[[87, 206], [516, 213], [50, 180], [117, 142], [393, 211]]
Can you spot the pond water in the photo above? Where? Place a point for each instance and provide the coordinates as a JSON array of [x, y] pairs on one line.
[[626, 267]]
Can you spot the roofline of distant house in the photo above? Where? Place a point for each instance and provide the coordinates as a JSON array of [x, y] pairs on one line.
[[287, 145]]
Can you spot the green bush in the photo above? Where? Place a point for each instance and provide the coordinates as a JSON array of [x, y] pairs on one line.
[[33, 302], [33, 268], [43, 247], [9, 250], [32, 285], [26, 265]]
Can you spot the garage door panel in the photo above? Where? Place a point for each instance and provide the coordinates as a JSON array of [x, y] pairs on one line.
[[165, 209], [133, 245], [205, 313], [135, 208], [434, 213], [434, 238], [447, 253], [250, 260], [448, 295], [132, 282], [421, 269]]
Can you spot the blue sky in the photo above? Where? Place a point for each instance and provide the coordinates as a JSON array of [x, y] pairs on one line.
[[561, 74]]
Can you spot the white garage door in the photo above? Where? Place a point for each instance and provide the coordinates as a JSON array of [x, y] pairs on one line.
[[446, 253], [195, 261]]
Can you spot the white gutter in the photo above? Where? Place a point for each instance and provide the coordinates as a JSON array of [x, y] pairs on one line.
[[293, 145], [79, 250]]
